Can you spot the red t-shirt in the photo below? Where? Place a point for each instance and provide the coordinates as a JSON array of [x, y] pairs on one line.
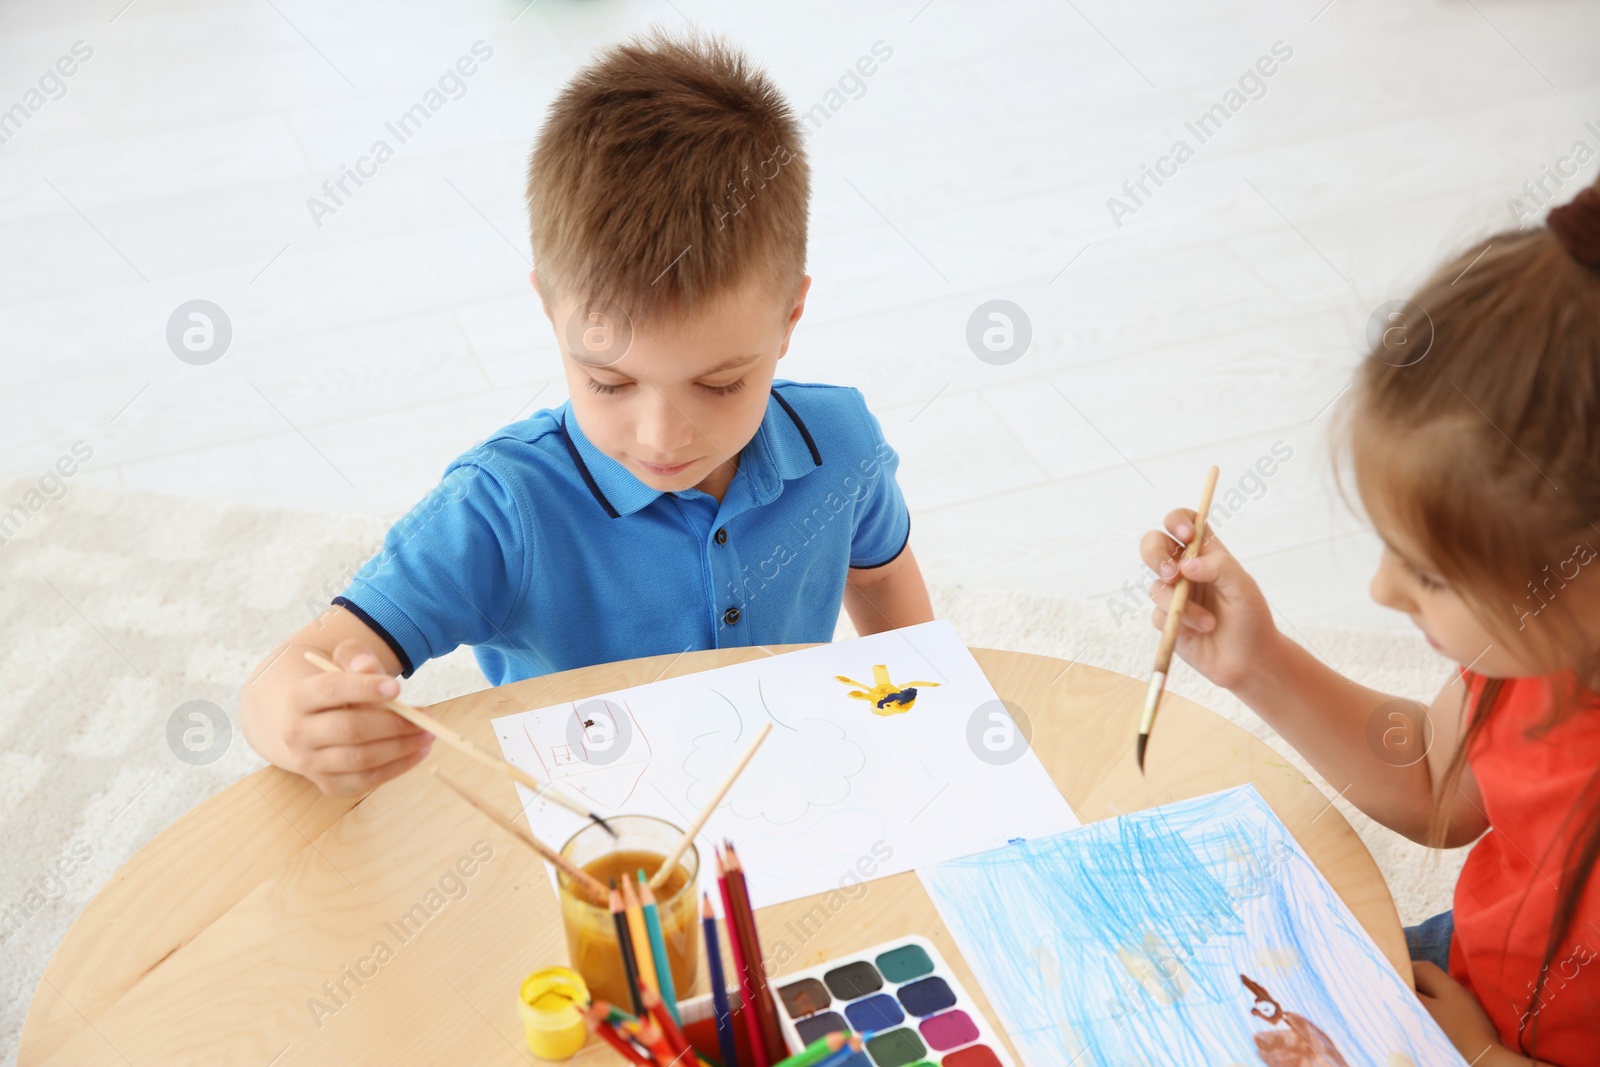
[[1532, 781]]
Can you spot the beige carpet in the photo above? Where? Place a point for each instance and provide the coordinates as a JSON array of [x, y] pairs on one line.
[[119, 609]]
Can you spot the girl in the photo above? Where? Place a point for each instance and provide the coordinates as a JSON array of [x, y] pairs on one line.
[[1477, 457]]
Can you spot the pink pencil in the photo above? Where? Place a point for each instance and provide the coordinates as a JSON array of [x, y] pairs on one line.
[[752, 1020]]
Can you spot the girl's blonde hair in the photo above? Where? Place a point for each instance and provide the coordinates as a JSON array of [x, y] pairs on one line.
[[1476, 432]]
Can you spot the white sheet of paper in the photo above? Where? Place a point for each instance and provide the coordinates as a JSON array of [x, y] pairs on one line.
[[847, 788]]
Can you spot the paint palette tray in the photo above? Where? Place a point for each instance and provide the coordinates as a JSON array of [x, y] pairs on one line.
[[902, 991]]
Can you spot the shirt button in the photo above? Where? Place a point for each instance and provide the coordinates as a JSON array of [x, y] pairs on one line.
[[722, 536], [730, 616]]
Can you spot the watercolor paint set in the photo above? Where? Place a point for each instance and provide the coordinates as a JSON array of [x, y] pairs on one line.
[[905, 994]]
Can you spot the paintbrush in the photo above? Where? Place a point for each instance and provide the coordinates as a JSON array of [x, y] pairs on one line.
[[421, 719], [589, 882], [664, 872], [1169, 632]]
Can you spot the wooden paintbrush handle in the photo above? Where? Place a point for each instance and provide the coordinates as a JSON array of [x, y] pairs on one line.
[[1180, 591], [570, 869], [422, 720]]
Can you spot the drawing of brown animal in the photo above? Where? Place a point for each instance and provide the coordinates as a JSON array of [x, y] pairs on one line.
[[1301, 1044]]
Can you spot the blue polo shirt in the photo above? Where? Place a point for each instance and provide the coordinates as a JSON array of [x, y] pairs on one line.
[[544, 554]]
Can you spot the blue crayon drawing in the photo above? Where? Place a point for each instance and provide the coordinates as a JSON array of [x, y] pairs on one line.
[[1197, 933]]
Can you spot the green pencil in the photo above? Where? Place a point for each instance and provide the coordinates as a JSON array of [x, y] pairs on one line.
[[658, 948], [817, 1051]]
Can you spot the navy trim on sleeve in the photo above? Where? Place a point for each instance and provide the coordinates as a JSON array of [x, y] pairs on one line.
[[583, 469], [897, 552], [816, 457], [406, 669]]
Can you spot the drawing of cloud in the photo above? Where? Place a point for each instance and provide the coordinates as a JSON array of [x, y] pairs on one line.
[[835, 842], [800, 768]]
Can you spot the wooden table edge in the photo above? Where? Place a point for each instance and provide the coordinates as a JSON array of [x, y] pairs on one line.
[[306, 812]]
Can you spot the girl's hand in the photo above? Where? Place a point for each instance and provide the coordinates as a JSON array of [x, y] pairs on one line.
[[1226, 621], [1459, 1015]]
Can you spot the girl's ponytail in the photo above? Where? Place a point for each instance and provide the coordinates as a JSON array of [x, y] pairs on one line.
[[1577, 226]]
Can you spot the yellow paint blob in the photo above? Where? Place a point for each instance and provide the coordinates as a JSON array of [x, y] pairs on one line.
[[885, 696], [1280, 960], [1157, 968]]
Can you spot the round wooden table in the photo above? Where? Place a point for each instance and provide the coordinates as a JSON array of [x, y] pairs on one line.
[[216, 941]]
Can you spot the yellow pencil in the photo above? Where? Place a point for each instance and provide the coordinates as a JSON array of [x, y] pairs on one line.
[[641, 936]]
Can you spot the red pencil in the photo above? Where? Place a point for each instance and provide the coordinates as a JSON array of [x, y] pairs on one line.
[[656, 1041], [595, 1016], [752, 1024], [767, 1009], [669, 1026]]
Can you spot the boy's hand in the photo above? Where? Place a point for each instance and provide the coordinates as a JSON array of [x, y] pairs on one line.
[[337, 732], [1226, 620]]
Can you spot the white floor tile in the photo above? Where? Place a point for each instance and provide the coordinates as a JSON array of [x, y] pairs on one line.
[[975, 163]]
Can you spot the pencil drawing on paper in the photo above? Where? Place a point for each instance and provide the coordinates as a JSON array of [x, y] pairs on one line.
[[816, 776], [832, 783], [1197, 933], [885, 697], [594, 747]]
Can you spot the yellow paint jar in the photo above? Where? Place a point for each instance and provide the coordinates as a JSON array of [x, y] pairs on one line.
[[549, 1004]]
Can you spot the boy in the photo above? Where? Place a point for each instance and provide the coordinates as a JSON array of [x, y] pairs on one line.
[[682, 498]]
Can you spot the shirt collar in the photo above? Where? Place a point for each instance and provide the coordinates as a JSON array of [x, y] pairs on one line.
[[782, 448]]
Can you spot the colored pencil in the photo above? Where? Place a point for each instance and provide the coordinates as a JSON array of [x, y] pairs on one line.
[[421, 719], [719, 985], [739, 921], [847, 1050], [818, 1050], [589, 882], [1169, 632], [627, 1048], [655, 1039], [767, 1010], [615, 1018], [630, 967], [597, 1016], [665, 870], [736, 945], [657, 1007], [658, 949], [615, 1014], [643, 958]]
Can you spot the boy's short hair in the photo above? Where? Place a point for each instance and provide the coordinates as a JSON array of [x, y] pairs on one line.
[[668, 172]]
